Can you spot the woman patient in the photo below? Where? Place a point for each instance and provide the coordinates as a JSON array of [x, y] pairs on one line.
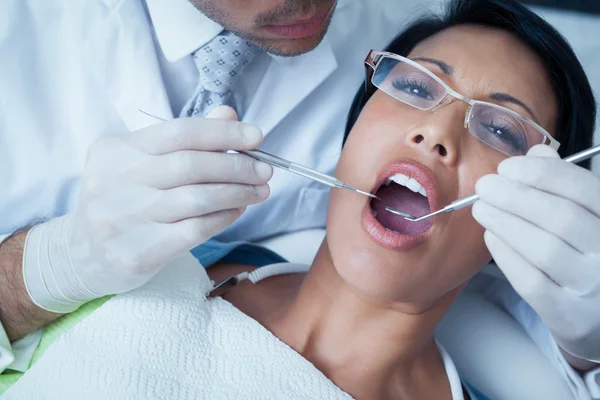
[[365, 313]]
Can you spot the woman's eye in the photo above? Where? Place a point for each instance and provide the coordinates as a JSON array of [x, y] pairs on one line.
[[505, 134], [413, 88]]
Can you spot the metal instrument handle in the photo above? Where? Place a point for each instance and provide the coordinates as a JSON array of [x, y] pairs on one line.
[[293, 167], [268, 158], [462, 202], [575, 158], [583, 155], [315, 175]]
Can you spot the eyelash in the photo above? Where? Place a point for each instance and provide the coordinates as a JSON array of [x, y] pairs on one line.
[[400, 84], [514, 140]]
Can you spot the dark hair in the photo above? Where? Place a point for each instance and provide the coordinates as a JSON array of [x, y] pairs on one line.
[[576, 105]]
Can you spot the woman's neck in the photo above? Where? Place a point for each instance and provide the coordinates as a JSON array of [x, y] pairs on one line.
[[369, 348]]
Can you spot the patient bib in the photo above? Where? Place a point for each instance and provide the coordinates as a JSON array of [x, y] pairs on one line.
[[163, 341]]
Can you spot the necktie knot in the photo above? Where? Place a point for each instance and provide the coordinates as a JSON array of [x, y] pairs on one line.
[[220, 63]]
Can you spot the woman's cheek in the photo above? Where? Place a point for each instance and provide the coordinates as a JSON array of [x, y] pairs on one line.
[[463, 254], [477, 252]]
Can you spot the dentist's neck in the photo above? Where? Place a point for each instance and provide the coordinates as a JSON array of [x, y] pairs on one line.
[[363, 345]]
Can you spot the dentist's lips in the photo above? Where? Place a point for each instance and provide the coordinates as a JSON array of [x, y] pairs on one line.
[[301, 29], [385, 237]]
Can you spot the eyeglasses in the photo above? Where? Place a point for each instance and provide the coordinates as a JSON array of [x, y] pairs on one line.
[[498, 127]]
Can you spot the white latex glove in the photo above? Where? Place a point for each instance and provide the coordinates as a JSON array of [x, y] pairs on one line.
[[146, 197], [542, 221]]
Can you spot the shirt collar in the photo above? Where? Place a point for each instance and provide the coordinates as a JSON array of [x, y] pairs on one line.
[[180, 27]]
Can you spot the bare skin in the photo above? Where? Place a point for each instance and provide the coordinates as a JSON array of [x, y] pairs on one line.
[[252, 19], [18, 314], [403, 365]]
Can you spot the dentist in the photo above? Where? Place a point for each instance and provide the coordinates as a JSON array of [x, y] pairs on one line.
[[96, 197]]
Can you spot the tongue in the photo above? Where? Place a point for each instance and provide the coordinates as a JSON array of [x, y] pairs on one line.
[[403, 199]]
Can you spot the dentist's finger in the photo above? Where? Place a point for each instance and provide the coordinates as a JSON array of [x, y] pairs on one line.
[[154, 244], [542, 150], [197, 200], [541, 249], [223, 112], [194, 134], [556, 177], [190, 232], [529, 282], [190, 167], [563, 218]]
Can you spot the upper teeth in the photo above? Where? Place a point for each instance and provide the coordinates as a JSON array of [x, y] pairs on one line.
[[405, 181]]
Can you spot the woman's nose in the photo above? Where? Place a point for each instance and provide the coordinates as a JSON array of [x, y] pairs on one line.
[[439, 135]]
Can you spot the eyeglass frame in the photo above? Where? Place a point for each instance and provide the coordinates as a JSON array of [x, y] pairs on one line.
[[372, 62]]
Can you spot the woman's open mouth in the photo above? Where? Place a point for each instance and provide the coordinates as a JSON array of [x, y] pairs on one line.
[[406, 186]]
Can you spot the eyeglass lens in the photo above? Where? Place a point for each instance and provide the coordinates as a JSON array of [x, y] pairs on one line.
[[491, 124]]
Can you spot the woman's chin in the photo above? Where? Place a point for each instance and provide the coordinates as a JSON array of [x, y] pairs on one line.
[[389, 239]]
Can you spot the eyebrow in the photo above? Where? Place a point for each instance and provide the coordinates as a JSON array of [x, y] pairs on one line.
[[506, 98], [498, 96], [446, 69]]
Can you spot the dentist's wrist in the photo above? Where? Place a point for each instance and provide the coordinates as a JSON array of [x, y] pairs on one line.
[[48, 272]]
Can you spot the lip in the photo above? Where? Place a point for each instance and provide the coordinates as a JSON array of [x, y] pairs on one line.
[[302, 28], [378, 233]]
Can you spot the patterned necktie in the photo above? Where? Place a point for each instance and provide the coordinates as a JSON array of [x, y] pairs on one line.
[[219, 63]]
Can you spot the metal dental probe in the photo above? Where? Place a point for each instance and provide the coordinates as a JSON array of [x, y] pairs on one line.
[[468, 200], [293, 167], [302, 171]]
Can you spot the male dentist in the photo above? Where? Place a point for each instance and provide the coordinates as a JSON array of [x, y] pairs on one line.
[[97, 197]]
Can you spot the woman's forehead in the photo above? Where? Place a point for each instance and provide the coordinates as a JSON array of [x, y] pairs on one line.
[[486, 60]]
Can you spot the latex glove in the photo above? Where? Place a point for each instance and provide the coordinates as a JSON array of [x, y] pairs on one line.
[[542, 221], [146, 197]]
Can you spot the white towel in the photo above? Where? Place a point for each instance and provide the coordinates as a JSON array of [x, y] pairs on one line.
[[163, 341]]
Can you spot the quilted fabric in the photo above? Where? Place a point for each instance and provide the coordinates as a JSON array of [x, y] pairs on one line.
[[163, 341]]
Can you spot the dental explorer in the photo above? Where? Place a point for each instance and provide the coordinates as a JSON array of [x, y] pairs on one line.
[[468, 200], [289, 166]]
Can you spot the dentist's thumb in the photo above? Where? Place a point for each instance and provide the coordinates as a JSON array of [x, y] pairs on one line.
[[228, 113], [542, 150], [223, 112]]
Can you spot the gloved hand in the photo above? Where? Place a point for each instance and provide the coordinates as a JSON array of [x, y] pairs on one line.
[[542, 221], [146, 197]]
